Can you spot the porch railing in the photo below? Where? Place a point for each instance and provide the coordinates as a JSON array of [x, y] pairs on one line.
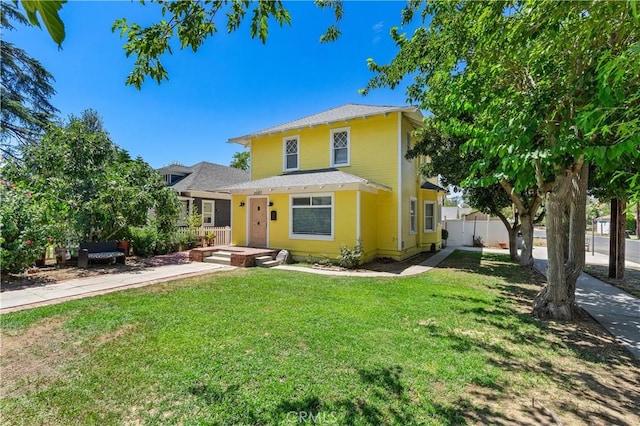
[[222, 233]]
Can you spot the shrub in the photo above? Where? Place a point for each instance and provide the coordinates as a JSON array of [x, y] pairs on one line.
[[477, 241], [144, 240], [350, 258], [166, 242], [23, 230], [445, 234]]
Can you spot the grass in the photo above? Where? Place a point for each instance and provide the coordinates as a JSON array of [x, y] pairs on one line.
[[261, 346], [630, 283]]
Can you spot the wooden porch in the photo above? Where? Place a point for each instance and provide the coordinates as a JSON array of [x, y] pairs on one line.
[[238, 256]]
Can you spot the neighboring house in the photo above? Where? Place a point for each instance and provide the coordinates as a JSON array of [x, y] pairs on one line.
[[338, 177], [198, 190]]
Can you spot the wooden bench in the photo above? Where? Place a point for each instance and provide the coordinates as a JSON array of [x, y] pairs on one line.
[[99, 251]]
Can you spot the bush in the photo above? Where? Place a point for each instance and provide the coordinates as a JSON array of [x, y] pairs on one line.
[[23, 230], [445, 234], [477, 241], [166, 242], [144, 240], [350, 258]]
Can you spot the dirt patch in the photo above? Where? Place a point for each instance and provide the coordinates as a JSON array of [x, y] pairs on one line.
[[37, 356], [53, 274], [383, 264]]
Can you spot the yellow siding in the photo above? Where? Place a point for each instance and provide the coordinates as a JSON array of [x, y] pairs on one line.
[[369, 225], [238, 220], [374, 155], [410, 188], [373, 144]]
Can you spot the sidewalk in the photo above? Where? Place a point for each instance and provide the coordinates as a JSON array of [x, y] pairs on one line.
[[16, 300], [615, 309]]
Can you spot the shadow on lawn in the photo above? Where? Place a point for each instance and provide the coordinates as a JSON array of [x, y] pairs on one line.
[[583, 338]]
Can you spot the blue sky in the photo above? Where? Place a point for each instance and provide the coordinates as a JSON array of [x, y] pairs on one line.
[[232, 86]]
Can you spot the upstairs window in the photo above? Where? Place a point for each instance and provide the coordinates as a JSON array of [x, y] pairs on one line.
[[291, 153], [340, 142]]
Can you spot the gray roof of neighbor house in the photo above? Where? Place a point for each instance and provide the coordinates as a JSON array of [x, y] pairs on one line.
[[341, 113], [309, 178], [204, 176]]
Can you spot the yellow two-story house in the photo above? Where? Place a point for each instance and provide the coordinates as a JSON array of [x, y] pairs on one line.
[[338, 177]]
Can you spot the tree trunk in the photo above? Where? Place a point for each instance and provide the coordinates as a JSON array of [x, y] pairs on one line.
[[566, 224], [617, 239], [526, 255], [512, 230], [638, 219]]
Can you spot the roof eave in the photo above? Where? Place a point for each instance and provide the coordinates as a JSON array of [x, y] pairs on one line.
[[297, 189]]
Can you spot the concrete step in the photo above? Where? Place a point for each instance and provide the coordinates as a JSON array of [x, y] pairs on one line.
[[265, 261], [220, 260]]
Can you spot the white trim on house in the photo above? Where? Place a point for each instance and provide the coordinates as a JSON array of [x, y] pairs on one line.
[[331, 142], [424, 217], [413, 215], [213, 212], [400, 181], [293, 236], [284, 153]]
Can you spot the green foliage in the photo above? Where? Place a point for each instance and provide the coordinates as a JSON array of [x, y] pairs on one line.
[[84, 181], [241, 160], [25, 109], [350, 257], [24, 234], [144, 240], [445, 234], [48, 10], [192, 22]]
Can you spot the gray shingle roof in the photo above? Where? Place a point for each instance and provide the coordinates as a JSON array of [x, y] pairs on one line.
[[306, 178], [341, 113], [205, 176]]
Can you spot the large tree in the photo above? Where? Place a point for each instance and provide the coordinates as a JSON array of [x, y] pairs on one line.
[[447, 152], [548, 84], [89, 184], [25, 91]]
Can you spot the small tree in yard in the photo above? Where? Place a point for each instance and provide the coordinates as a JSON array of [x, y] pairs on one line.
[[90, 186]]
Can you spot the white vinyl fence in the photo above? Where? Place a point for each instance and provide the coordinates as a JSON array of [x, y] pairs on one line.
[[223, 234], [461, 232]]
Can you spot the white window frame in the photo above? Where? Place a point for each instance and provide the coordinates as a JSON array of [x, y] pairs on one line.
[[284, 153], [424, 216], [413, 215], [311, 236], [331, 147], [213, 212]]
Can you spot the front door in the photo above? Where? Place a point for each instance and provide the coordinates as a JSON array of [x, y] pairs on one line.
[[258, 222]]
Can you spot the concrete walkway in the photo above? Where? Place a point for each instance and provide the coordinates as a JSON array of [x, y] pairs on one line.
[[16, 300], [617, 310]]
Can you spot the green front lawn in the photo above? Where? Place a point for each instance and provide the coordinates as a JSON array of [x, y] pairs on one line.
[[259, 347]]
